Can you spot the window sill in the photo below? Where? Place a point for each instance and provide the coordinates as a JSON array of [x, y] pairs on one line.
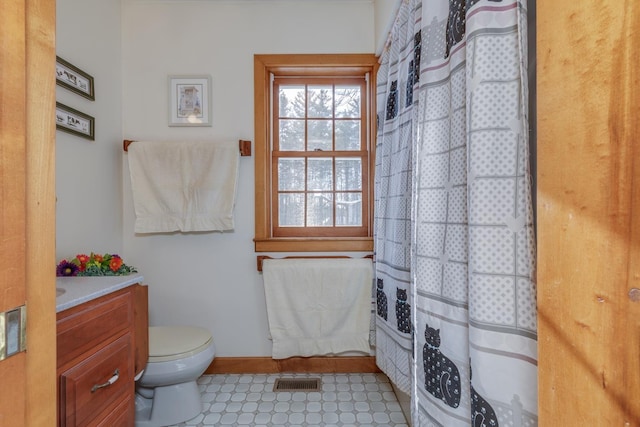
[[364, 244]]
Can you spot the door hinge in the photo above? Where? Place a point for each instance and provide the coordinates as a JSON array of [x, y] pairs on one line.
[[13, 331]]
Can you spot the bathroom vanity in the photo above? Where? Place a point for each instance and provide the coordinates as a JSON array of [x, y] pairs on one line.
[[102, 344]]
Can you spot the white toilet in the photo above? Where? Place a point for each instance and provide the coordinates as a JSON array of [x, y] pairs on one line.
[[167, 392]]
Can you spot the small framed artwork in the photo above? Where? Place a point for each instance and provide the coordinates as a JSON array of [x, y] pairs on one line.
[[189, 101], [74, 122], [71, 77]]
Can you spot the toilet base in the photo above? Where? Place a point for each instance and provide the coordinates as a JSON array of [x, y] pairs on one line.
[[170, 405]]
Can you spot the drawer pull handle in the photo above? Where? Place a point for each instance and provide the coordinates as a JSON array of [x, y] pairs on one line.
[[111, 380]]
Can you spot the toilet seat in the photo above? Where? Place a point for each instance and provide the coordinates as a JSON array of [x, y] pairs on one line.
[[167, 343]]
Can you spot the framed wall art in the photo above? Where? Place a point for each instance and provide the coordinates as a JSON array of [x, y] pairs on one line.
[[74, 79], [189, 100], [74, 122]]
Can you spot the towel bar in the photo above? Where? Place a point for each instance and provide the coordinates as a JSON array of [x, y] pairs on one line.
[[243, 145], [261, 258]]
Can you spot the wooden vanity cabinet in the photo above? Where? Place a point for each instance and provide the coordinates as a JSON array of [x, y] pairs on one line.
[[102, 345]]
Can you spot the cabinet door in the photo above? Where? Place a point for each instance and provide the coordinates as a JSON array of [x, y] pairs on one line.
[[101, 381], [85, 327], [141, 319]]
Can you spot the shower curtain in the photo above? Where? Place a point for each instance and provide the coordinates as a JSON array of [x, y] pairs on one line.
[[454, 238]]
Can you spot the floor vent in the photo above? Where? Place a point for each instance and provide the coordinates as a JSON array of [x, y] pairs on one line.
[[297, 384]]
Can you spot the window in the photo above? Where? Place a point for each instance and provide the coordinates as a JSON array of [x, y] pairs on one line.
[[315, 124]]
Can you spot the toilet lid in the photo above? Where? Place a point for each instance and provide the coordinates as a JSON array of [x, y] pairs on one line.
[[174, 342]]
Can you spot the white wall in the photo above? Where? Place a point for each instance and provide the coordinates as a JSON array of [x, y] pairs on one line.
[[89, 173], [210, 279], [385, 13]]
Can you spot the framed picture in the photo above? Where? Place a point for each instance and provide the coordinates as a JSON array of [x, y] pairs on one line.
[[74, 122], [74, 79], [189, 101]]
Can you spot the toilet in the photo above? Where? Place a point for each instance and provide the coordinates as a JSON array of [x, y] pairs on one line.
[[167, 392]]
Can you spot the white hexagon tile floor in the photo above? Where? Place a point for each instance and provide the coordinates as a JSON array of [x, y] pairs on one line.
[[345, 400]]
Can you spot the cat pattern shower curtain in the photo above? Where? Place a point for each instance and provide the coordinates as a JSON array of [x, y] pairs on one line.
[[454, 237]]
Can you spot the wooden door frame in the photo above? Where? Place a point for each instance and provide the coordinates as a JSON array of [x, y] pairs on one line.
[[588, 212], [41, 213], [27, 136]]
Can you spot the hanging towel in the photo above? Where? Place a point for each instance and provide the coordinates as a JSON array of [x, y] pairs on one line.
[[318, 306], [183, 186]]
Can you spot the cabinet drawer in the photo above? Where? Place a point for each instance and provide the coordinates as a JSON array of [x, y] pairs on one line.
[[85, 329], [80, 399], [122, 415]]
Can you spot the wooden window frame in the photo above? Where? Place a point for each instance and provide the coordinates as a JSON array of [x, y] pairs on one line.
[[308, 65]]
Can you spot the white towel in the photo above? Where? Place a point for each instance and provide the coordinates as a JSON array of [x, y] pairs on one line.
[[318, 306], [183, 186]]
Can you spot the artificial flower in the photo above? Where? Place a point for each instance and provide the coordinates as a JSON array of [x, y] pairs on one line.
[[66, 268], [83, 258], [94, 265], [115, 263]]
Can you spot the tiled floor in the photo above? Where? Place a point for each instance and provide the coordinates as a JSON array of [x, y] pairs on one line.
[[346, 400]]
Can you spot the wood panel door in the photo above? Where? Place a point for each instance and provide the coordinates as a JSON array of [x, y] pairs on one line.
[[588, 209], [27, 206]]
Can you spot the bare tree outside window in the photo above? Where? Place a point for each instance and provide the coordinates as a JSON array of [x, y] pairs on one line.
[[321, 125]]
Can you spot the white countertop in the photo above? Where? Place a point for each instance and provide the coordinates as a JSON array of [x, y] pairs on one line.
[[86, 288]]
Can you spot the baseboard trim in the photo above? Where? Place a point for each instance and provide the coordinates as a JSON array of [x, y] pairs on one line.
[[267, 365]]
